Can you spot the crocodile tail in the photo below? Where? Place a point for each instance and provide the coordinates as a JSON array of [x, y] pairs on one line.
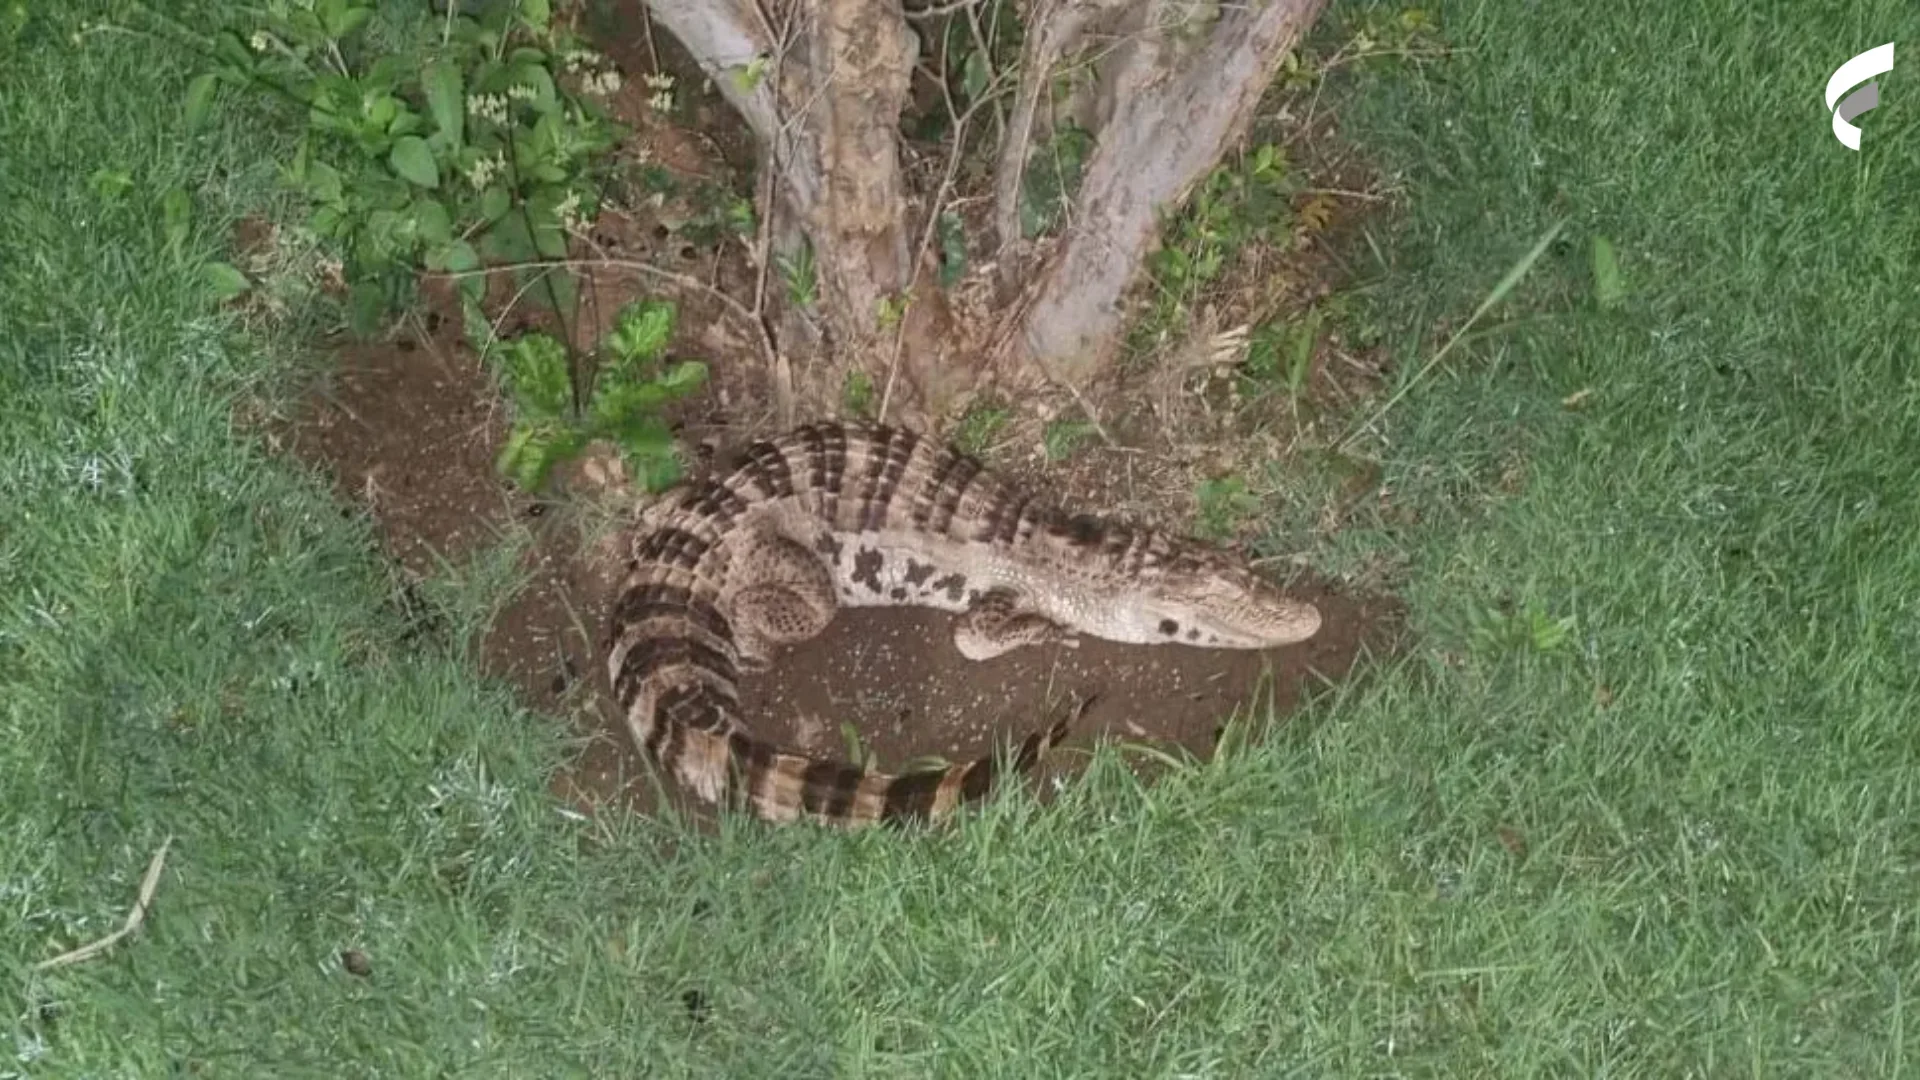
[[780, 787]]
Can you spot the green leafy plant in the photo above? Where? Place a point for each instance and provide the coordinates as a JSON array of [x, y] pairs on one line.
[[859, 754], [801, 278], [1494, 629], [1236, 207], [1063, 437], [1052, 178], [975, 431], [633, 381], [856, 394], [482, 144], [1609, 286], [1280, 353], [718, 213], [1225, 503], [953, 249]]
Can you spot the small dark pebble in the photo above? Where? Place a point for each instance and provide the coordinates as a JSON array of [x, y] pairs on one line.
[[356, 962]]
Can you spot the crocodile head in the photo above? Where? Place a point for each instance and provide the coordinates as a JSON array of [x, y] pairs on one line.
[[1216, 603], [1149, 588]]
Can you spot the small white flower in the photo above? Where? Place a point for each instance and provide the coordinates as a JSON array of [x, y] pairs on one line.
[[603, 83], [569, 212], [482, 172], [662, 86], [261, 41], [491, 107]]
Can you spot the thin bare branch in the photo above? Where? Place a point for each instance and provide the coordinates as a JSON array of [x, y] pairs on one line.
[[935, 11], [1054, 28], [683, 281]]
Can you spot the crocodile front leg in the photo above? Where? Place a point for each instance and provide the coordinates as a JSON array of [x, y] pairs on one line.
[[784, 596], [998, 622]]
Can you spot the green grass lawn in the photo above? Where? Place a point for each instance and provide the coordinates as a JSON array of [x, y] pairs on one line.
[[1685, 840]]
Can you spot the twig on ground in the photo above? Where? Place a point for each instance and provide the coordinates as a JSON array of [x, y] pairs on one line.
[[134, 918]]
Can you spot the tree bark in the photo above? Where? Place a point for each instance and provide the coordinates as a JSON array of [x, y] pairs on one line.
[[827, 119], [1177, 83], [1171, 110]]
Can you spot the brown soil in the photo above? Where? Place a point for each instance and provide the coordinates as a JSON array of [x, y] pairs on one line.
[[409, 428]]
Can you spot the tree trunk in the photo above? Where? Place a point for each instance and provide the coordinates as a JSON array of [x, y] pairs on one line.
[[1174, 85]]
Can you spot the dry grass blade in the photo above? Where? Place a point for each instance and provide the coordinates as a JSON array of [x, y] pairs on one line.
[[1499, 293], [135, 917]]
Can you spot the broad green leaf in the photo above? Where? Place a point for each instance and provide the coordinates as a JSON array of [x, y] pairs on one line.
[[228, 47], [441, 81], [414, 161], [366, 306], [109, 185], [387, 231], [338, 18], [225, 282], [537, 13], [533, 448], [200, 99], [535, 366], [389, 71], [473, 317], [176, 216], [658, 470], [324, 183], [379, 112], [641, 330], [457, 257], [431, 222], [495, 202], [616, 409], [327, 221], [1609, 288], [545, 99], [555, 289], [356, 18], [549, 236], [973, 76], [747, 76], [684, 377], [508, 241]]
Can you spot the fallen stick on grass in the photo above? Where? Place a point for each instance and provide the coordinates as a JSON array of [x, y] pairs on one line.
[[134, 918]]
